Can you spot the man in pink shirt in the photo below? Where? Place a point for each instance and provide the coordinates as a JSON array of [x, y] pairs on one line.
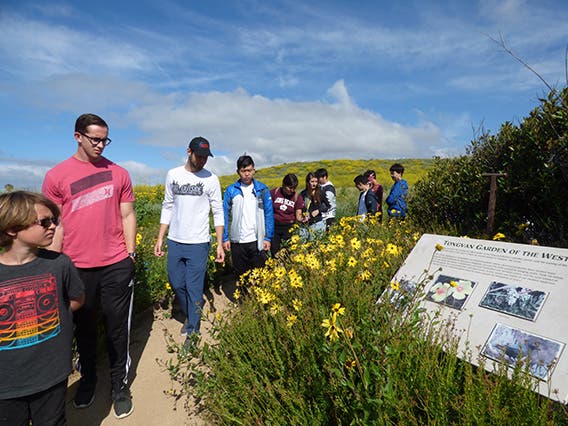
[[98, 233]]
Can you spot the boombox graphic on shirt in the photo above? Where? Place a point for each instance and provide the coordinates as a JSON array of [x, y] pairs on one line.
[[29, 312]]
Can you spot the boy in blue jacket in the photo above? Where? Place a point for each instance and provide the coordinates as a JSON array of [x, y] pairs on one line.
[[396, 201], [249, 219]]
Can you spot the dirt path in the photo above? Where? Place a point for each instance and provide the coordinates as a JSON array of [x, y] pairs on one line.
[[149, 381]]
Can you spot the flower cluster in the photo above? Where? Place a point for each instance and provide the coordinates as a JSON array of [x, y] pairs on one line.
[[350, 252]]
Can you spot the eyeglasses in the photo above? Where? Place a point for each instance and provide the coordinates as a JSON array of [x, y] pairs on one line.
[[47, 221], [96, 141]]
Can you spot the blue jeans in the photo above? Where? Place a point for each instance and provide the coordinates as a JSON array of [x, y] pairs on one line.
[[313, 231], [187, 265]]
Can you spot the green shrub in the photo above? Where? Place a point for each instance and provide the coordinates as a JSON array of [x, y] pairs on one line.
[[531, 199]]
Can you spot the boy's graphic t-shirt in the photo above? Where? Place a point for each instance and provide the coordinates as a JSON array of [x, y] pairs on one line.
[[29, 311], [36, 324]]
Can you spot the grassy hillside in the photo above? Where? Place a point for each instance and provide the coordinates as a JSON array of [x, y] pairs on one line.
[[341, 172]]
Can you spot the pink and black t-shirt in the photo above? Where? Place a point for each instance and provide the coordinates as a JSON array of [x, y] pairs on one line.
[[90, 195]]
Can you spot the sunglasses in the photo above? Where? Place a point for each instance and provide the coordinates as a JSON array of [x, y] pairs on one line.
[[47, 221]]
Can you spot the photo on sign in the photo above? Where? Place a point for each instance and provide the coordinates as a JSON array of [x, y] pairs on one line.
[[513, 300], [402, 291], [450, 291], [511, 346]]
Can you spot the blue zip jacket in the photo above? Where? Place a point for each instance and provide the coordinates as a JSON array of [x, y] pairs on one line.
[[232, 208], [396, 201]]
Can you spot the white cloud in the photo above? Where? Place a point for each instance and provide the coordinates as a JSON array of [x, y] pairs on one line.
[[143, 174], [22, 175], [280, 130], [37, 49]]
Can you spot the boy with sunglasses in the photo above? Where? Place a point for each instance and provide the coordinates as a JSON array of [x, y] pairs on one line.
[[38, 291]]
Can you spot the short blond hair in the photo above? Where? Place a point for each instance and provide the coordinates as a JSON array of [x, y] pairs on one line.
[[17, 212]]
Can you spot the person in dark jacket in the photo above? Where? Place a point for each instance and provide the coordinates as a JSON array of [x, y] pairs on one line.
[[368, 202]]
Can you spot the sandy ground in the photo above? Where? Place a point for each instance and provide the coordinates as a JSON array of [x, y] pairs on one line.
[[149, 381]]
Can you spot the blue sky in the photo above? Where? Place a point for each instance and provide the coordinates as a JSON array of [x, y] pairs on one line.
[[281, 80]]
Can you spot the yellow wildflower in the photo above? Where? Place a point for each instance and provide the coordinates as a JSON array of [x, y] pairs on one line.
[[350, 364], [349, 333], [523, 226], [275, 308], [355, 243], [453, 284], [498, 236], [439, 247], [295, 239], [332, 265], [312, 262], [338, 309], [297, 304], [393, 249], [279, 272], [264, 297], [168, 286], [352, 261], [295, 279], [291, 319], [237, 294], [364, 276], [395, 285], [298, 258], [333, 330], [138, 238], [385, 265], [337, 239]]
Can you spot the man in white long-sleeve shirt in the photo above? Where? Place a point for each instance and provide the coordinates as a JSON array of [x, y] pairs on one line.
[[191, 193]]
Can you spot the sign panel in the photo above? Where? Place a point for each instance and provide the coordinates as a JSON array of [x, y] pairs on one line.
[[508, 301]]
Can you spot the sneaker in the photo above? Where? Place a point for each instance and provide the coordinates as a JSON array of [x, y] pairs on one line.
[[122, 403], [85, 393], [183, 330]]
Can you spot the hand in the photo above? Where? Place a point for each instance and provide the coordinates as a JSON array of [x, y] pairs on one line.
[[158, 247], [220, 254], [227, 246], [315, 213], [266, 245]]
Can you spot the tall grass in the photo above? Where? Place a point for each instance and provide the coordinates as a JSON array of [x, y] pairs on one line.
[[310, 345]]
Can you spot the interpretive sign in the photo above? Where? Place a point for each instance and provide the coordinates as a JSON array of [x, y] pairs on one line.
[[508, 302]]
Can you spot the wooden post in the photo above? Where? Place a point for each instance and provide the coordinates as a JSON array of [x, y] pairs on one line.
[[492, 200]]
